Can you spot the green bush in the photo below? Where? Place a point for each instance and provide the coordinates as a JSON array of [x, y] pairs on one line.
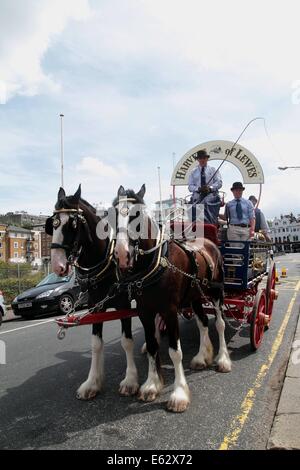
[[12, 270], [10, 286]]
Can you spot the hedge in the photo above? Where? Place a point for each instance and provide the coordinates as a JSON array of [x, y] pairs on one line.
[[10, 286]]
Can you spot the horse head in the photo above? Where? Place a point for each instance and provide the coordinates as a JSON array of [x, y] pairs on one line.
[[69, 229], [130, 225]]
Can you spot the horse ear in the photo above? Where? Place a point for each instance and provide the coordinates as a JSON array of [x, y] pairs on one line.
[[78, 193], [121, 191], [61, 193], [141, 192]]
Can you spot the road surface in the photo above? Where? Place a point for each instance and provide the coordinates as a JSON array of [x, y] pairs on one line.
[[39, 409]]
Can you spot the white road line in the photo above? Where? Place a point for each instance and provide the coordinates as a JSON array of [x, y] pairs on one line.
[[52, 320]]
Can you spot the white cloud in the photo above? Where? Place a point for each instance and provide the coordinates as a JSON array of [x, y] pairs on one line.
[[92, 167], [27, 29], [258, 40], [143, 78]]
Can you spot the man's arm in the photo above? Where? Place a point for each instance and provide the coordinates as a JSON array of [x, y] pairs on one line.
[[251, 218], [216, 182], [265, 227], [252, 227], [192, 185], [225, 216]]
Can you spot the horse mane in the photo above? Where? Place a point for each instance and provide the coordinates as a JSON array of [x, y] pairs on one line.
[[130, 194], [69, 202]]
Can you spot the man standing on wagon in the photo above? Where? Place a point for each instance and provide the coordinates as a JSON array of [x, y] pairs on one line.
[[204, 183], [240, 215]]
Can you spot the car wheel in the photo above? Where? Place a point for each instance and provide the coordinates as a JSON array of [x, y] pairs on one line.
[[66, 304]]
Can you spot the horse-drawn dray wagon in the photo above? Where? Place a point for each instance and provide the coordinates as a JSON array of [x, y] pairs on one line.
[[152, 274]]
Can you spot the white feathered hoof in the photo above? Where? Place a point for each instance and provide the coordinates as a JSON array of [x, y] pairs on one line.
[[179, 400], [127, 389], [224, 363], [149, 392], [197, 364], [88, 390]]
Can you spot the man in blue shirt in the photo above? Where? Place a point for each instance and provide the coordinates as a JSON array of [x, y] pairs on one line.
[[240, 215], [261, 225], [204, 183]]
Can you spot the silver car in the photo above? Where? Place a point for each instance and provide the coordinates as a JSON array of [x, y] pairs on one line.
[[2, 307]]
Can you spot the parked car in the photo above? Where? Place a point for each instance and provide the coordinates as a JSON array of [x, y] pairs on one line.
[[52, 294], [2, 307]]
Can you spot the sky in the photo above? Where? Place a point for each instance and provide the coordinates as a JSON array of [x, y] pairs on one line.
[[139, 81]]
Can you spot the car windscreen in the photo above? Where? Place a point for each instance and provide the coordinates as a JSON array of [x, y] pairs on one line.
[[53, 279]]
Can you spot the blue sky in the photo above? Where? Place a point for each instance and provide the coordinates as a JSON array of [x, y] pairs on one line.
[[138, 80]]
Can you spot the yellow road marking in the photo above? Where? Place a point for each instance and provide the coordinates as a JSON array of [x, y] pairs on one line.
[[238, 422]]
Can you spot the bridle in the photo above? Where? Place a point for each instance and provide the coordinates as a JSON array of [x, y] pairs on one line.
[[136, 243], [76, 217], [73, 253]]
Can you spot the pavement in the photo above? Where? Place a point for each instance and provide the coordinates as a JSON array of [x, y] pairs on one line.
[[285, 433], [9, 315]]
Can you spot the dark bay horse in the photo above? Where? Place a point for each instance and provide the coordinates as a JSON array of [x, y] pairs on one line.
[[75, 227], [171, 291]]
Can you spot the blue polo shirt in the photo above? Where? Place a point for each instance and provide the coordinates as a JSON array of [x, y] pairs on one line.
[[247, 209]]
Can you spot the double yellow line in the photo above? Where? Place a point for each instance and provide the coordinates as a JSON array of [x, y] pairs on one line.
[[238, 422]]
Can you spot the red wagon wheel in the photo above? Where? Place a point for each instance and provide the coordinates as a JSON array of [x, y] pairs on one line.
[[271, 291], [258, 320]]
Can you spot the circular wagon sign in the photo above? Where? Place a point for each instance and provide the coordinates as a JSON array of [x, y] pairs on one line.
[[238, 155]]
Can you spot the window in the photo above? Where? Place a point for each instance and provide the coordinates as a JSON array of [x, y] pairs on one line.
[[0, 255], [16, 254], [0, 245], [16, 244]]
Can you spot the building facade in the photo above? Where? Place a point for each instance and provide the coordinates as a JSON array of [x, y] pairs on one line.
[[285, 232], [4, 253], [20, 244], [164, 211]]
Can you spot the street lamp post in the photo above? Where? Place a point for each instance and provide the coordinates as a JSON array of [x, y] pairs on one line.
[[62, 149], [160, 199], [286, 167]]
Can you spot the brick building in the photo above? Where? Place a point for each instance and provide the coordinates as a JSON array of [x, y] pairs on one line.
[[4, 246], [20, 244]]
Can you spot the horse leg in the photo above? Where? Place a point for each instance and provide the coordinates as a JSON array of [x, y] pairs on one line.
[[180, 397], [205, 355], [223, 360], [129, 385], [157, 333], [154, 383], [94, 382]]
